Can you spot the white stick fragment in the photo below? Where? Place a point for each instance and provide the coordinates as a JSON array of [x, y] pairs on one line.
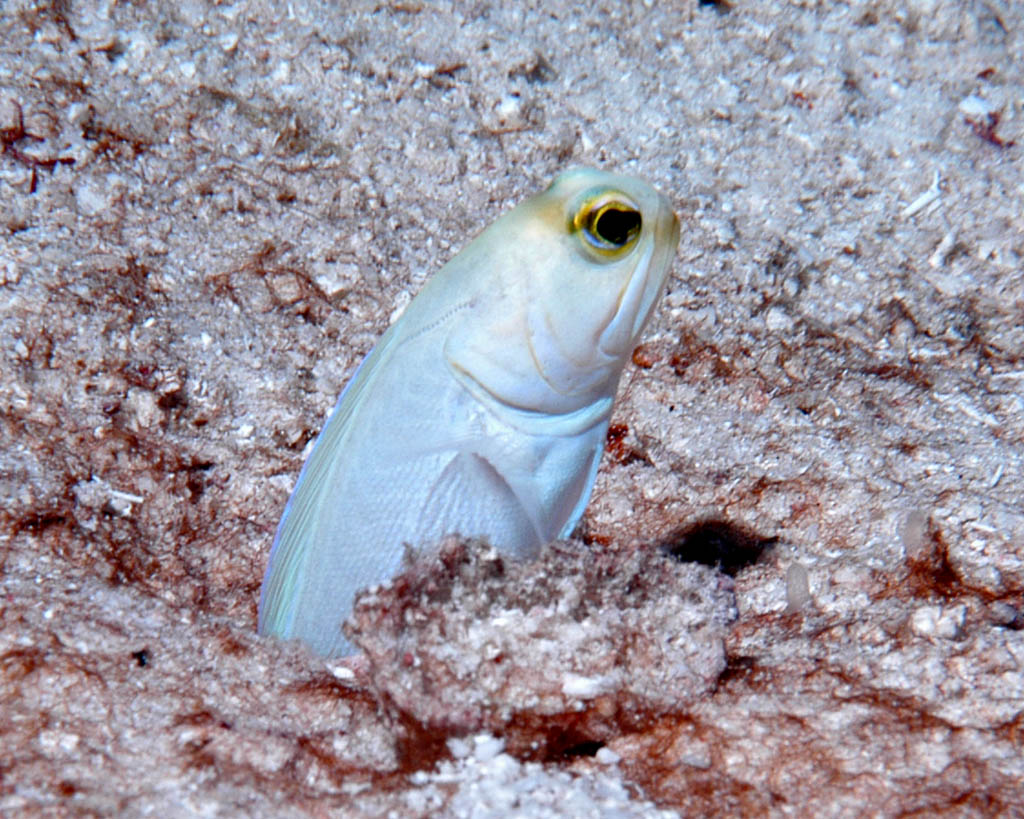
[[120, 501], [583, 688], [798, 588], [925, 199], [117, 494], [998, 476], [938, 258]]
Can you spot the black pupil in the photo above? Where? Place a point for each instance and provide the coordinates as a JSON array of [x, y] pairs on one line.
[[616, 227]]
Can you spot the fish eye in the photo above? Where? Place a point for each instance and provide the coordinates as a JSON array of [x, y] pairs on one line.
[[609, 223]]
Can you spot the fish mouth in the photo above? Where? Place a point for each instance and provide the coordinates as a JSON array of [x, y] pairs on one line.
[[641, 292]]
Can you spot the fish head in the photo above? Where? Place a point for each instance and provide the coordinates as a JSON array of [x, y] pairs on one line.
[[611, 241], [575, 273]]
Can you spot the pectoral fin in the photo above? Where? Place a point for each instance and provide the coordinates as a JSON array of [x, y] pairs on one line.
[[471, 497]]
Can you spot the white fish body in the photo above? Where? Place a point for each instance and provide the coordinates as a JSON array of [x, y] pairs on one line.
[[483, 410]]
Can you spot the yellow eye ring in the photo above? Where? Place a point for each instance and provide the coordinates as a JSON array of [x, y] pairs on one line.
[[609, 223]]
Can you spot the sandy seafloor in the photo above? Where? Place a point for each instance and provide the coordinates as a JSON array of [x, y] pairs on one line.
[[210, 213]]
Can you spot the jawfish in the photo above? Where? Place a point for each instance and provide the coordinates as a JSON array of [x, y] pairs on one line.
[[483, 409]]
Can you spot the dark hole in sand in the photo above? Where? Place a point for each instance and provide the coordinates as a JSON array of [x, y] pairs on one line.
[[726, 546], [588, 747]]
